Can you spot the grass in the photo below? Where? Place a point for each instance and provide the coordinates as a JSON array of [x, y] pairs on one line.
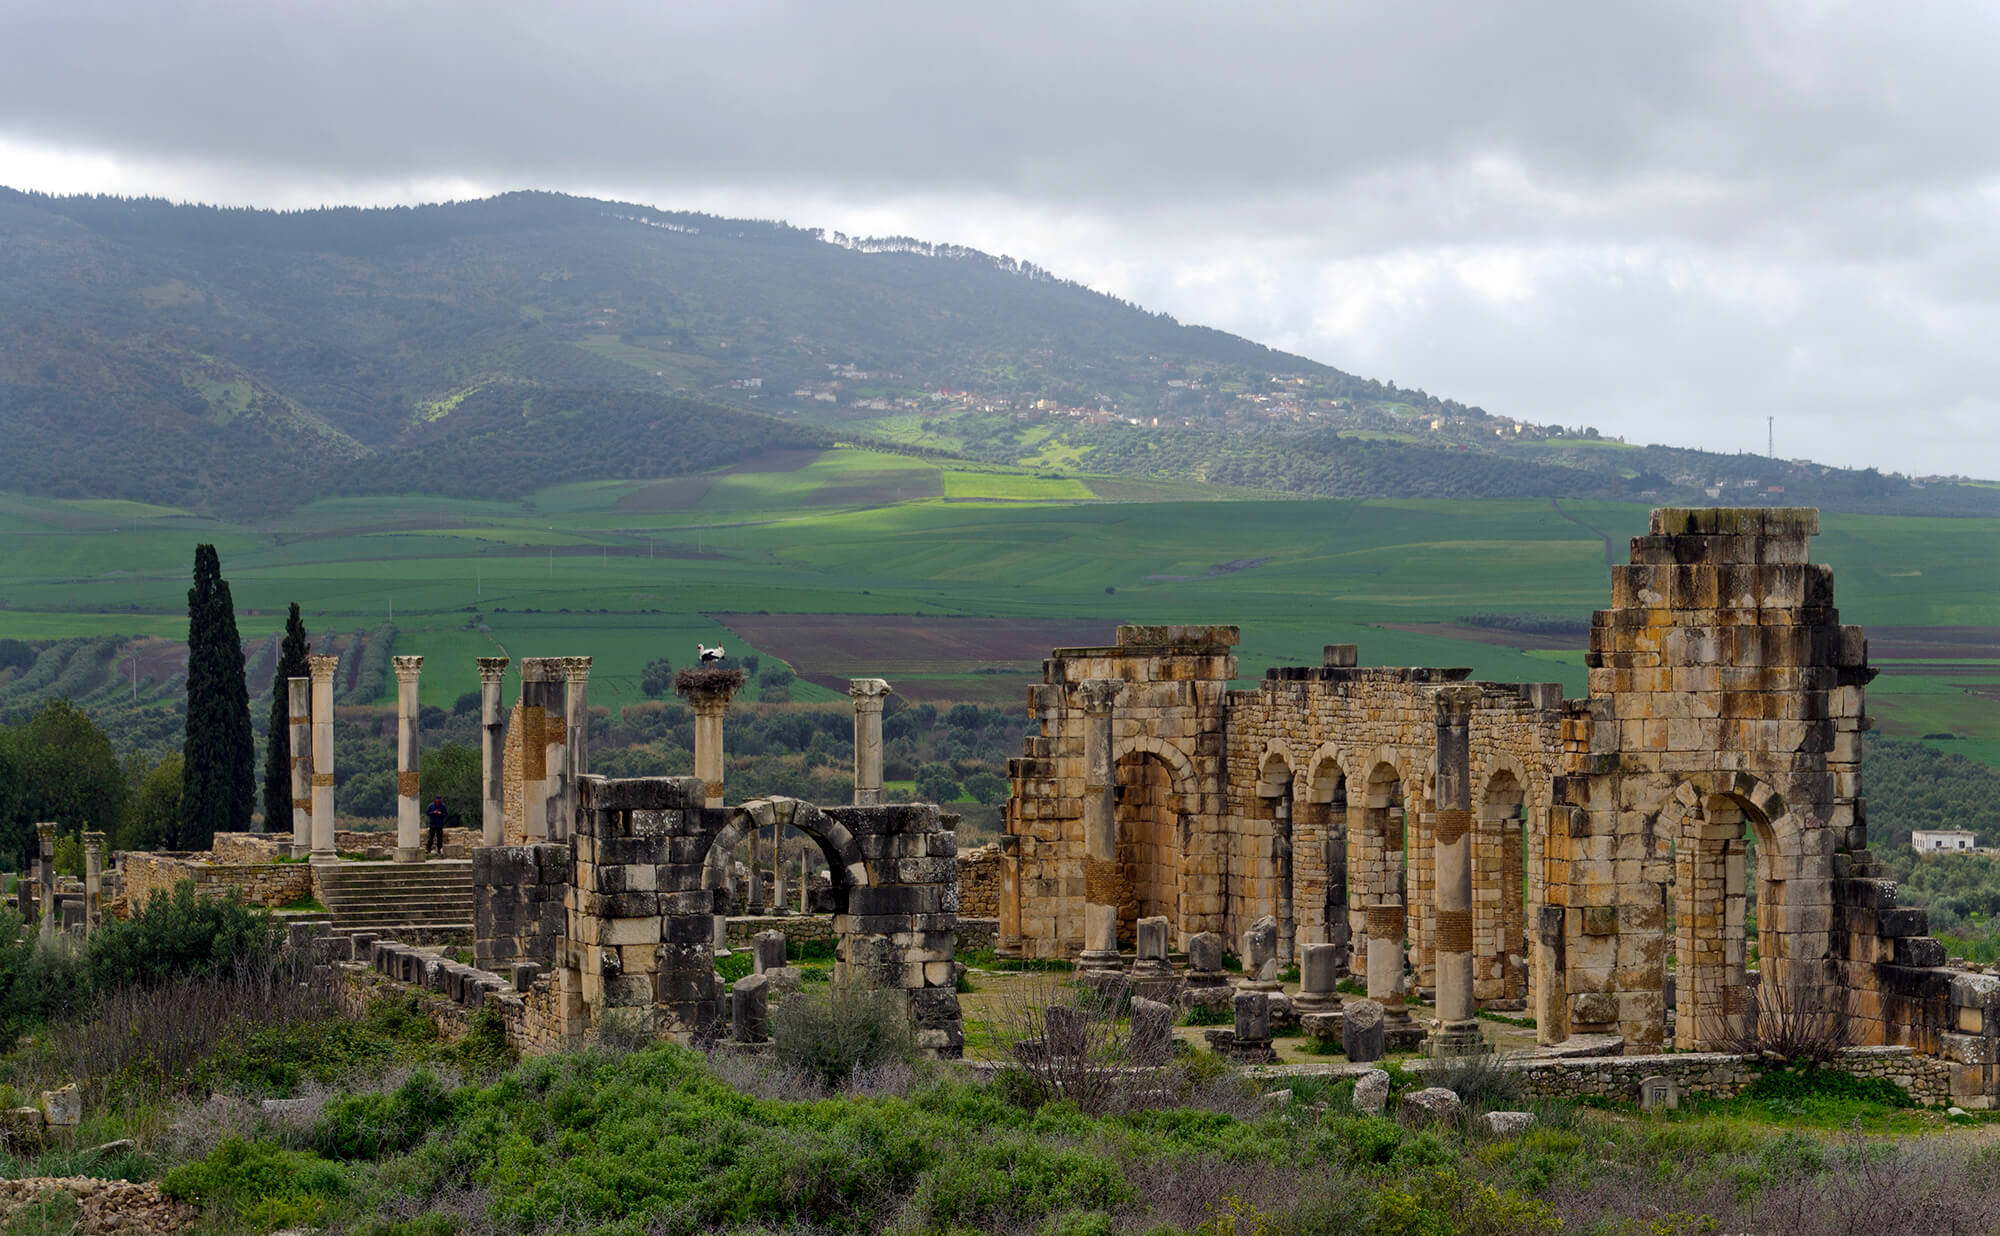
[[603, 568]]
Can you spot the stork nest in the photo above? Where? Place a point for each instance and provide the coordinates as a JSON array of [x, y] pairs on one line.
[[698, 681]]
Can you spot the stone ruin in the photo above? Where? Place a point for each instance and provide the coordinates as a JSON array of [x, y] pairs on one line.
[[1502, 846]]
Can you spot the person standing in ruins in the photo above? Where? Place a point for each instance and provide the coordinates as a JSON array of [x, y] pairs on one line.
[[437, 813]]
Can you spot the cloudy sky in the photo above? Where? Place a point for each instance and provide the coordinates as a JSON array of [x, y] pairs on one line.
[[1668, 221]]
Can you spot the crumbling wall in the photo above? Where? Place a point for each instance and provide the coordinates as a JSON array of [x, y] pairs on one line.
[[519, 903], [259, 884], [979, 882]]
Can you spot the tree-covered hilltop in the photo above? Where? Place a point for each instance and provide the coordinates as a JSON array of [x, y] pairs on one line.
[[242, 361]]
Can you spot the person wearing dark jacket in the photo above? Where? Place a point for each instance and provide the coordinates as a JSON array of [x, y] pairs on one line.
[[437, 813]]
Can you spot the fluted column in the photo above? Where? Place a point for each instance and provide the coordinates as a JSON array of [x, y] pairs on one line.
[[1102, 876], [298, 693], [1457, 1030], [535, 673], [409, 779], [93, 879], [322, 756], [555, 755], [492, 752], [869, 694], [576, 747]]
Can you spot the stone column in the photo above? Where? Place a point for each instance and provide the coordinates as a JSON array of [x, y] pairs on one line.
[[299, 693], [576, 712], [1385, 958], [535, 673], [1457, 1030], [710, 704], [869, 695], [322, 756], [93, 879], [555, 753], [409, 781], [46, 871], [1281, 829], [777, 869], [1007, 940], [1102, 876], [492, 752]]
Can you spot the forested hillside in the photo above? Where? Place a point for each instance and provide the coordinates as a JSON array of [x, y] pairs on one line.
[[242, 361]]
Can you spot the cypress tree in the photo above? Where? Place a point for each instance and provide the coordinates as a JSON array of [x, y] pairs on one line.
[[219, 772], [278, 746]]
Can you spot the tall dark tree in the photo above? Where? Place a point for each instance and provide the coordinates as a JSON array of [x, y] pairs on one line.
[[219, 773], [278, 743]]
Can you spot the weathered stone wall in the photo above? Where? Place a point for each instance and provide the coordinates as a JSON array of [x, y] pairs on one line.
[[1713, 1074], [979, 882], [259, 884], [518, 903]]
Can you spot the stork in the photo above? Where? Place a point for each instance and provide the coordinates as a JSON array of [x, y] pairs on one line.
[[709, 656]]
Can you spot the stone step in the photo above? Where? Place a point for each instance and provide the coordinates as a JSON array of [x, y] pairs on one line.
[[380, 896]]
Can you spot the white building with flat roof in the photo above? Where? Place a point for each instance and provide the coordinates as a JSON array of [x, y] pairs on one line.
[[1942, 840]]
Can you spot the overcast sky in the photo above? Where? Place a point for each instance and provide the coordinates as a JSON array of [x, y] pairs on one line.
[[1668, 221]]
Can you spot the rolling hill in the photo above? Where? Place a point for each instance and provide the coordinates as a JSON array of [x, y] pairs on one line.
[[240, 362]]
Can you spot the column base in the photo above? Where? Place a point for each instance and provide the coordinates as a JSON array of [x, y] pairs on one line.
[[1007, 952], [1099, 959], [409, 854], [324, 856], [1458, 1038], [301, 851]]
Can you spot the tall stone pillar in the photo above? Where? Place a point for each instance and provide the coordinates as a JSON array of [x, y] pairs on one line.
[[409, 781], [1281, 828], [1457, 1030], [93, 879], [46, 871], [535, 673], [322, 749], [299, 694], [711, 704], [555, 748], [1007, 940], [492, 752], [1386, 925], [1103, 878], [777, 868], [869, 694], [576, 741]]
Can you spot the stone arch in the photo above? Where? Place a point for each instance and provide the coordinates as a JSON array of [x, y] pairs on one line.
[[1154, 821], [1319, 848], [843, 856], [1705, 819], [1375, 849], [1499, 869], [1274, 802]]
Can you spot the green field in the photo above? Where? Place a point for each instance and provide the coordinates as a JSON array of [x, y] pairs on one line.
[[629, 570]]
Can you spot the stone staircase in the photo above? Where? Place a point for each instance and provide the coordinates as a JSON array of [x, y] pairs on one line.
[[411, 899]]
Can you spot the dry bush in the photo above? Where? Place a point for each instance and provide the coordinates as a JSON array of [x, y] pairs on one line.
[[762, 1075], [1809, 1023]]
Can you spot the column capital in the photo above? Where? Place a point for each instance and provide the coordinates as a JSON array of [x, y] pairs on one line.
[[47, 832], [708, 690], [407, 668], [323, 666], [1455, 703], [868, 693], [576, 669], [1098, 694], [93, 840], [540, 669], [492, 669]]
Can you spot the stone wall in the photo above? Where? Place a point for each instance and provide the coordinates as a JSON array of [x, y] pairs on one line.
[[979, 882], [259, 884], [1714, 1074], [518, 903]]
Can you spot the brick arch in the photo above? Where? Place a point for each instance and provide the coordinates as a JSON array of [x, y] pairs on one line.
[[1153, 831], [1315, 764], [1499, 865], [843, 856]]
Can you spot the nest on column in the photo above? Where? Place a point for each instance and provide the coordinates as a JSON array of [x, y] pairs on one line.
[[697, 681]]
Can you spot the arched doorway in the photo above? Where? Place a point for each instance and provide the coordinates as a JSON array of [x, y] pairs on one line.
[[1375, 860], [1152, 832], [1714, 844], [1274, 799], [1499, 891], [1320, 858]]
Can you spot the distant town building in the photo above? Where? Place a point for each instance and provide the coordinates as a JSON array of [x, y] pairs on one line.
[[1941, 840]]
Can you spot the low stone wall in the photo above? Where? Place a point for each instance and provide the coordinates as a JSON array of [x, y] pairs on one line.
[[977, 933], [1717, 1075], [795, 926], [979, 884], [259, 884]]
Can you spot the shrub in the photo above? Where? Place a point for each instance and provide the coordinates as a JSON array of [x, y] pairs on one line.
[[1478, 1080], [832, 1033], [181, 936], [1798, 1085], [39, 979], [368, 1126], [260, 1183]]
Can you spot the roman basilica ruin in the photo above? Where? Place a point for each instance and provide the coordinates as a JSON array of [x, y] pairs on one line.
[[1504, 847]]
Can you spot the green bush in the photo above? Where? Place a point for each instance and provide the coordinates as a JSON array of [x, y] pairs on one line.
[[265, 1185], [368, 1126], [846, 1027], [1793, 1086], [181, 936], [39, 979]]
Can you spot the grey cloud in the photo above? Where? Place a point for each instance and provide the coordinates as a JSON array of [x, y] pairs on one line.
[[1709, 213]]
